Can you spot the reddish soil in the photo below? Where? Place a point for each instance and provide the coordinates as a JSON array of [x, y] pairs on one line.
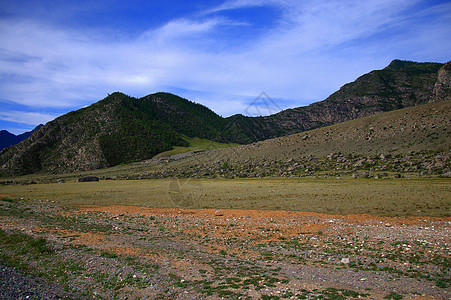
[[195, 254]]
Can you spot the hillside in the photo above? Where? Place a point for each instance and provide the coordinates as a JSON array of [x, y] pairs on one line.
[[121, 129], [411, 140]]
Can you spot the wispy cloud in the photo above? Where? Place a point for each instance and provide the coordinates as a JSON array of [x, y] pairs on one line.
[[311, 50], [237, 4], [28, 118]]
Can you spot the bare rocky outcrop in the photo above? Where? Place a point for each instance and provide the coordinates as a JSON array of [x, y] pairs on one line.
[[88, 179], [442, 88]]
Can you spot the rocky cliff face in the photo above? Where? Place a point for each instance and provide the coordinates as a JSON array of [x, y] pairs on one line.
[[442, 88]]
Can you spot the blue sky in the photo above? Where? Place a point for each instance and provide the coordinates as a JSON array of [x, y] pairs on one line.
[[57, 56]]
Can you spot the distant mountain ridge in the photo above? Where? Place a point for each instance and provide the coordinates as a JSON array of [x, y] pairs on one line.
[[121, 129], [401, 84], [8, 139]]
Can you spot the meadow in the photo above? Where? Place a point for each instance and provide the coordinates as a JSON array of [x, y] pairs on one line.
[[390, 197]]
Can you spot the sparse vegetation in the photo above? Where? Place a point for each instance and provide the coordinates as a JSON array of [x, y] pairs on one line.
[[195, 145]]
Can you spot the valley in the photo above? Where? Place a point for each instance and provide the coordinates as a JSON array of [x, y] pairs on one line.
[[347, 198]]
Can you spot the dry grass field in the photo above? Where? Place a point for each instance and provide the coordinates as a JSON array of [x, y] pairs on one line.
[[390, 197]]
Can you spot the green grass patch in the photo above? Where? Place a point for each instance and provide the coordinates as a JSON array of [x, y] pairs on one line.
[[7, 199], [394, 296], [22, 243], [108, 255], [196, 144]]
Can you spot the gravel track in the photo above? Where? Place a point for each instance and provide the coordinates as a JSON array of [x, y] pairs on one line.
[[15, 285]]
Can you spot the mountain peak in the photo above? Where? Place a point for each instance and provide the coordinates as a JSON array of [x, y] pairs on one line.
[[413, 68], [398, 64]]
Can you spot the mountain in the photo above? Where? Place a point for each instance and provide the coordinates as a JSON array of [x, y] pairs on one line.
[[26, 135], [115, 130], [7, 139], [121, 129]]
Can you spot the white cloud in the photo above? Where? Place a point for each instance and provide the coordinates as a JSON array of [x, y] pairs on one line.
[[181, 28], [237, 4], [17, 131], [314, 49], [29, 118]]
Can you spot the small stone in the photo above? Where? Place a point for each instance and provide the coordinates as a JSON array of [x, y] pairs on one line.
[[345, 260], [218, 213], [88, 179], [387, 225]]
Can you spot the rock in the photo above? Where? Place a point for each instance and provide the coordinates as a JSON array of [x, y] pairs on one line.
[[447, 175], [442, 87], [88, 179], [387, 225], [365, 175], [218, 213], [360, 163], [345, 260]]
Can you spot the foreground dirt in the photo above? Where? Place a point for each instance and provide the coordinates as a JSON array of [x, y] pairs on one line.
[[128, 252]]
